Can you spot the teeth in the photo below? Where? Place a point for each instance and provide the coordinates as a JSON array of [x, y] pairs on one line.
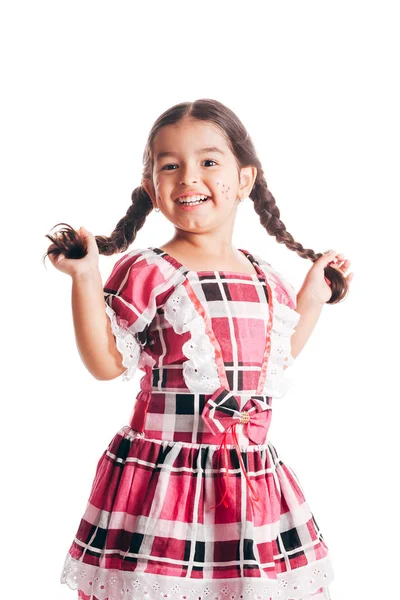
[[193, 203], [193, 199]]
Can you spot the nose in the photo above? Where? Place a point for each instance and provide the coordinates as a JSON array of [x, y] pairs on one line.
[[188, 175]]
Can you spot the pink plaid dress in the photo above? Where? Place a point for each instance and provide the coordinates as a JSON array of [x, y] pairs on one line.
[[191, 500]]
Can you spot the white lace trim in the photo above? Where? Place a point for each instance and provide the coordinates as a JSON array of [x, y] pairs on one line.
[[113, 584], [127, 345], [200, 370], [284, 322]]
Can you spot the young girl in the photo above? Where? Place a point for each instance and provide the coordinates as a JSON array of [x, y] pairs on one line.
[[191, 499]]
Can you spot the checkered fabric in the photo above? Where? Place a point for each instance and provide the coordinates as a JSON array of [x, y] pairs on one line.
[[191, 499]]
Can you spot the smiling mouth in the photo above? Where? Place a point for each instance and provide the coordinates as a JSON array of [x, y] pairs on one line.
[[193, 202]]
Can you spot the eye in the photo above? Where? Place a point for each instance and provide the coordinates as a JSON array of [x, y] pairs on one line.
[[165, 167]]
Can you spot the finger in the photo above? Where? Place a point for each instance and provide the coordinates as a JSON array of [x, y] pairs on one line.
[[341, 263], [338, 264], [339, 259], [326, 258], [343, 267], [87, 236], [55, 258]]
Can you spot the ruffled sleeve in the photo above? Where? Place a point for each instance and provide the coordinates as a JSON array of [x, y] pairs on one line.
[[132, 293], [283, 290]]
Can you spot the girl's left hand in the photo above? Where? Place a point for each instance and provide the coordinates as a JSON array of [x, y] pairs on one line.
[[316, 286]]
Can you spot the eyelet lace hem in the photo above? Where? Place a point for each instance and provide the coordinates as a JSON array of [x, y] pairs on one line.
[[114, 584], [127, 344]]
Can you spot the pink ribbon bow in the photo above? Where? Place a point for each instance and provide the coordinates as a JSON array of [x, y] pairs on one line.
[[222, 414]]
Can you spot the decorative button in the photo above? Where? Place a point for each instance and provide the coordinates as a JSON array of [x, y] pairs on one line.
[[245, 417]]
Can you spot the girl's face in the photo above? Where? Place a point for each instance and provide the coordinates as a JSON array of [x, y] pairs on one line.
[[192, 158]]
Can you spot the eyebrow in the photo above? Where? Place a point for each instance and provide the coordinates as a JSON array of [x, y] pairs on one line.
[[210, 149]]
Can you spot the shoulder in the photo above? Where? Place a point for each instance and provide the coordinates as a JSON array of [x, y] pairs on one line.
[[142, 269], [283, 289]]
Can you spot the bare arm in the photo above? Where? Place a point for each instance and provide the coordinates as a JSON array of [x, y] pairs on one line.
[[310, 311], [313, 295], [94, 338]]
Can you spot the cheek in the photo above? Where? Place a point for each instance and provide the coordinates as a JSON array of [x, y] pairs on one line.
[[225, 189], [157, 189]]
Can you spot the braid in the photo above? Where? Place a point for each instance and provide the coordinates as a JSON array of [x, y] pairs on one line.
[[266, 208], [68, 242], [126, 229]]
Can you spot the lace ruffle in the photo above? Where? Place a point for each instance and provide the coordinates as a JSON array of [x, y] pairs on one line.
[[113, 584], [200, 370], [127, 344], [284, 322]]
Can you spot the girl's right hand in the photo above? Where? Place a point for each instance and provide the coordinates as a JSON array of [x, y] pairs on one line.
[[78, 266]]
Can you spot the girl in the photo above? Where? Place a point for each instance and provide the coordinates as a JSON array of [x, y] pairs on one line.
[[191, 499]]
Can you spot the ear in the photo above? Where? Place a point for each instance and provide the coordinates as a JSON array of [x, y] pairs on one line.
[[149, 187], [246, 180]]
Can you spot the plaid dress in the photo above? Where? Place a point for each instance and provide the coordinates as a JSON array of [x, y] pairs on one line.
[[191, 500]]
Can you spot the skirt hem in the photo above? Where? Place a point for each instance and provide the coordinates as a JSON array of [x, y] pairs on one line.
[[96, 583]]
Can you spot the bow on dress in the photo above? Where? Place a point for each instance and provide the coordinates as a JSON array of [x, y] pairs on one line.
[[222, 414]]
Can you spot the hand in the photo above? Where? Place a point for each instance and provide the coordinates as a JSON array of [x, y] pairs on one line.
[[316, 286], [78, 266]]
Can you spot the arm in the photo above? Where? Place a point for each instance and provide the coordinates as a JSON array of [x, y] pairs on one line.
[[313, 294], [310, 310], [95, 340]]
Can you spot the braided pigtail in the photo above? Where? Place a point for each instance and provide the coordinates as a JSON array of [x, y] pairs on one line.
[[266, 208], [68, 242]]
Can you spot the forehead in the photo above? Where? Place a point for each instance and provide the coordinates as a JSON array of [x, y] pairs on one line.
[[189, 136]]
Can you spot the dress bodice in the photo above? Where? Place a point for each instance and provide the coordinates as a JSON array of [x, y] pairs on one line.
[[198, 336]]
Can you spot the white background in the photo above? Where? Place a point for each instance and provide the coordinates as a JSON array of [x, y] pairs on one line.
[[315, 83]]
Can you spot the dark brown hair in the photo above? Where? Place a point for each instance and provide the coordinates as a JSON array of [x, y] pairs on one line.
[[69, 243]]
